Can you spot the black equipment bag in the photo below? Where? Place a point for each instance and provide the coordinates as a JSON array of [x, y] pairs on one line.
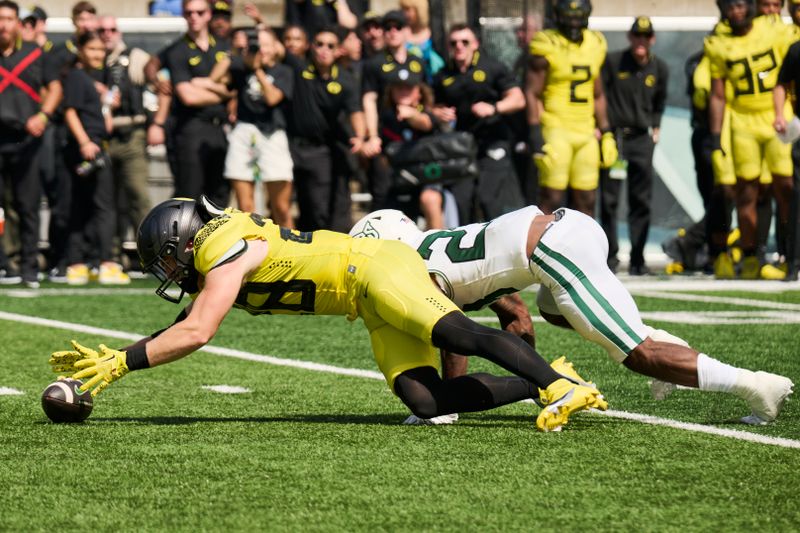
[[437, 158]]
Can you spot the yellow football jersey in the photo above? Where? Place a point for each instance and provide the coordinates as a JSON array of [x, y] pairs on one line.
[[569, 88], [295, 278], [750, 62]]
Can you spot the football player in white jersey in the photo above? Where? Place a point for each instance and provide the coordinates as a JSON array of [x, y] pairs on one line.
[[566, 254]]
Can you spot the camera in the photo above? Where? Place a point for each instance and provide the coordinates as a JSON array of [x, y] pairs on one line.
[[87, 168], [252, 41]]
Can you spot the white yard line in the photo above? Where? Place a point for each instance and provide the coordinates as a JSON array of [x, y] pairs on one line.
[[307, 365]]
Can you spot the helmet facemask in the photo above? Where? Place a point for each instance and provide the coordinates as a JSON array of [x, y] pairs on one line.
[[168, 268]]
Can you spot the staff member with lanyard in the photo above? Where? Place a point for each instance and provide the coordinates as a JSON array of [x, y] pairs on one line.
[[636, 89], [23, 118], [198, 108], [323, 91]]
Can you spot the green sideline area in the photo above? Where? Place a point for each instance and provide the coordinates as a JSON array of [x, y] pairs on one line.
[[309, 450]]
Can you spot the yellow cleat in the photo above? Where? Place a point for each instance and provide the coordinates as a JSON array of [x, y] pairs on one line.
[[751, 268], [112, 274], [77, 274], [567, 369], [674, 268], [561, 399], [772, 272], [723, 266]]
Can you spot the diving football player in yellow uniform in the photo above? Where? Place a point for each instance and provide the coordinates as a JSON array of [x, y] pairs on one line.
[[235, 259], [565, 102], [749, 58]]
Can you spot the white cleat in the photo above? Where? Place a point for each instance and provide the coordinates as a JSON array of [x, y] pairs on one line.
[[765, 393], [661, 389], [441, 420]]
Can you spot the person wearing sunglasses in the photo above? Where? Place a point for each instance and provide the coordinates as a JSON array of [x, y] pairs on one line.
[[478, 94], [394, 64], [323, 92], [125, 68], [198, 113]]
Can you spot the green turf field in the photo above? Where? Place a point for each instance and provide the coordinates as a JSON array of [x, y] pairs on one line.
[[315, 450]]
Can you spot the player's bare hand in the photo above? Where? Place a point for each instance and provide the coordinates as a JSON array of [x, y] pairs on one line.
[[483, 109], [779, 124]]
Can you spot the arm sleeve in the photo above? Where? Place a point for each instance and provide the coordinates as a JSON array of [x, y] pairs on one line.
[[504, 80], [369, 81], [178, 68], [352, 97]]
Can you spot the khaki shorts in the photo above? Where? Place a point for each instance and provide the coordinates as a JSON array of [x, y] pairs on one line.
[[254, 156]]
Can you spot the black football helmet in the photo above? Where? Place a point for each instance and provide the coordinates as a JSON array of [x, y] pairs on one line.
[[740, 24], [165, 244], [572, 17]]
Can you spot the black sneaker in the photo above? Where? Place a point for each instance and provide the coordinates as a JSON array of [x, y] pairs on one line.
[[31, 280], [9, 276], [57, 275], [638, 270]]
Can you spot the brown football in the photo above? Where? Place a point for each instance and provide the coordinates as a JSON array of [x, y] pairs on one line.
[[63, 401]]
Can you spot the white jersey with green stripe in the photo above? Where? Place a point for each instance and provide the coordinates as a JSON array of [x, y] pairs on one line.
[[478, 263]]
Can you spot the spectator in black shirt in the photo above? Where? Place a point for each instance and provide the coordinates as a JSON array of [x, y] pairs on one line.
[[198, 109], [92, 209], [23, 119], [477, 94], [259, 148], [372, 34], [405, 117], [58, 181], [34, 28], [322, 92], [636, 90]]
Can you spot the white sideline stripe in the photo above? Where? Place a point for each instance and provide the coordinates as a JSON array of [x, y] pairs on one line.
[[717, 299], [8, 391], [216, 350], [699, 428], [35, 293], [226, 389], [238, 354]]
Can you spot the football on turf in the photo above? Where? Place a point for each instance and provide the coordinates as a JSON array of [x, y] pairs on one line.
[[63, 401]]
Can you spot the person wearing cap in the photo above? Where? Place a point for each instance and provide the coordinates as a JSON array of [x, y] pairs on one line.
[[24, 115], [788, 79], [198, 113], [323, 93], [395, 63], [406, 117], [476, 93], [220, 25], [34, 27], [372, 34], [635, 83]]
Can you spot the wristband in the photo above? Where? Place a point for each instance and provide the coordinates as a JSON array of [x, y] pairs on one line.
[[136, 358], [44, 116], [716, 142]]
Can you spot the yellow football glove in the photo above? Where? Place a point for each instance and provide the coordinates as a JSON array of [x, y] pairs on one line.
[[542, 152], [719, 163], [102, 370], [64, 361], [608, 150]]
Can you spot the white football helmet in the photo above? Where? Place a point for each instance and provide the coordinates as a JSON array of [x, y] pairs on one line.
[[388, 224]]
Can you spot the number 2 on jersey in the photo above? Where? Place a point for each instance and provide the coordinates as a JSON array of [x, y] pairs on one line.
[[584, 74], [454, 251]]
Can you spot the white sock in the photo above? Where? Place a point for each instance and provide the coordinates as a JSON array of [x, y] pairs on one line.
[[713, 375]]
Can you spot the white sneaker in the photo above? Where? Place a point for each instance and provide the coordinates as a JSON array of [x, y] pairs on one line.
[[764, 392], [661, 389], [441, 420]]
